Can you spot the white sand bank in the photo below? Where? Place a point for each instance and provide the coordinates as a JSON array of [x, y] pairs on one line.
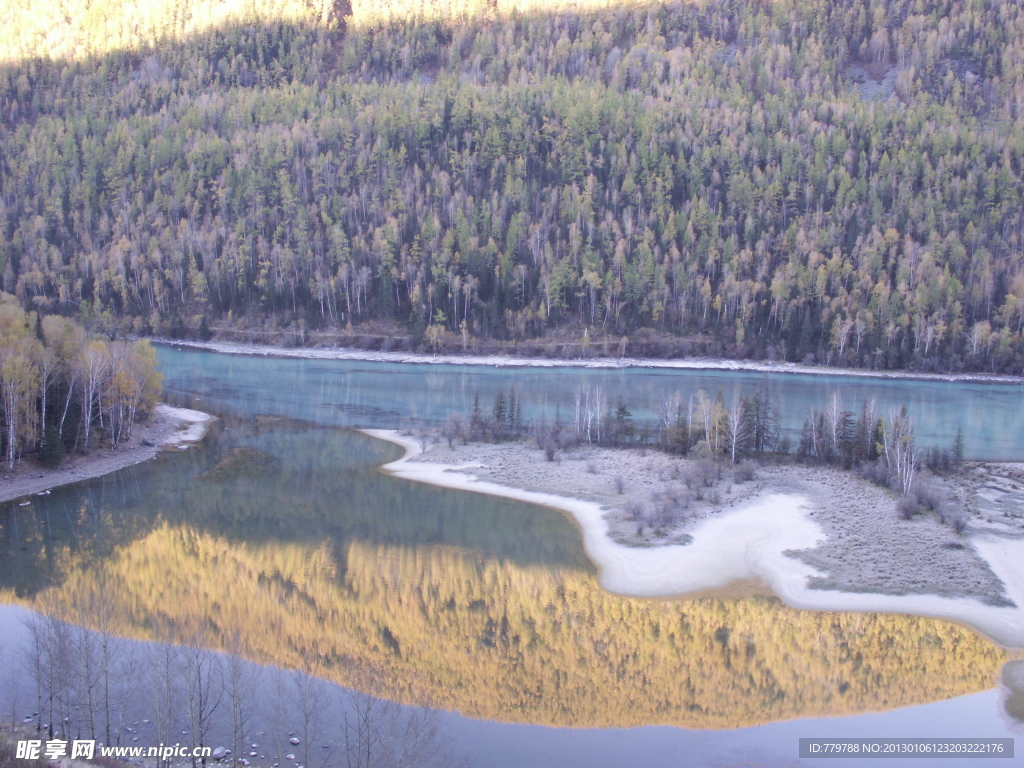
[[192, 425], [505, 361], [749, 541]]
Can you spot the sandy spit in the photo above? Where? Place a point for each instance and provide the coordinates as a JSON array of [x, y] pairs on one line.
[[170, 428], [501, 361], [819, 539]]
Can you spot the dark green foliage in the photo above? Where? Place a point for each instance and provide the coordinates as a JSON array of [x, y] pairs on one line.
[[513, 413], [762, 421], [944, 461], [51, 449], [176, 328], [500, 411], [839, 436], [874, 449], [621, 430], [505, 421], [476, 419], [958, 450]]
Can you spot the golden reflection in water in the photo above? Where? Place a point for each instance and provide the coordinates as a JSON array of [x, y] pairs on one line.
[[526, 643], [1012, 679]]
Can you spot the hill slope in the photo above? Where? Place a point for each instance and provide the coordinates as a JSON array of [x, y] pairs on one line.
[[801, 179]]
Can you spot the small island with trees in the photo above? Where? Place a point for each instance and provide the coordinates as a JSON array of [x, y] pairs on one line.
[[892, 518]]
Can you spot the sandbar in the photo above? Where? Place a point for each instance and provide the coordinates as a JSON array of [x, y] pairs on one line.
[[818, 538], [508, 361]]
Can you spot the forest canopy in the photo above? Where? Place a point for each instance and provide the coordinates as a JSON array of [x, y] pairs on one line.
[[810, 180]]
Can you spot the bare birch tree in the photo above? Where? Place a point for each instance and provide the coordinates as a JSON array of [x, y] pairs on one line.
[[833, 423], [737, 426], [242, 684], [275, 710], [900, 452], [18, 384], [93, 367], [35, 659], [11, 678], [379, 733], [86, 682], [165, 666], [309, 696], [669, 413], [204, 688]]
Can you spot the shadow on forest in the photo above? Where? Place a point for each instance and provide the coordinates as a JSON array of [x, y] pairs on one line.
[[268, 53]]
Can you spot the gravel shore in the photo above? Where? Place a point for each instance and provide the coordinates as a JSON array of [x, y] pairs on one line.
[[170, 428]]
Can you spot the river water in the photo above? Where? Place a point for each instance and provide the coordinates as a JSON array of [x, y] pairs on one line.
[[279, 539], [364, 394]]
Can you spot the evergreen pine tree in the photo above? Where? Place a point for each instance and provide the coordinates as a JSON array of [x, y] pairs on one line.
[[476, 418], [958, 450], [500, 413], [510, 414]]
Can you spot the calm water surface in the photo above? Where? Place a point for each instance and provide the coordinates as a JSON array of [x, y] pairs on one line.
[[279, 535], [353, 393]]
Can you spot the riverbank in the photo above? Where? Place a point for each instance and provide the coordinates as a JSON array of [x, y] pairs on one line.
[[169, 428], [502, 361], [818, 538]]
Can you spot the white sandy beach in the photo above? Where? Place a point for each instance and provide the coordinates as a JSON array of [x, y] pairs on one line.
[[169, 428], [786, 530], [505, 361]]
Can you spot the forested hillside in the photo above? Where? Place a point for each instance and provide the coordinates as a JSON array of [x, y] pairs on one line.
[[814, 180]]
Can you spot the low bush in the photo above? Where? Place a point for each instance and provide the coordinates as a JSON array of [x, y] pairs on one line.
[[929, 494], [908, 505], [877, 473], [745, 471]]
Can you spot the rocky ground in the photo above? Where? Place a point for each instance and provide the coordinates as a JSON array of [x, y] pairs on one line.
[[651, 499]]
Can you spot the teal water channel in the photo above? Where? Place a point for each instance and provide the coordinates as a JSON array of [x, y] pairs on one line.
[[387, 395]]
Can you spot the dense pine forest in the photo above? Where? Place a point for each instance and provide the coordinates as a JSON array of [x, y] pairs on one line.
[[809, 180]]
